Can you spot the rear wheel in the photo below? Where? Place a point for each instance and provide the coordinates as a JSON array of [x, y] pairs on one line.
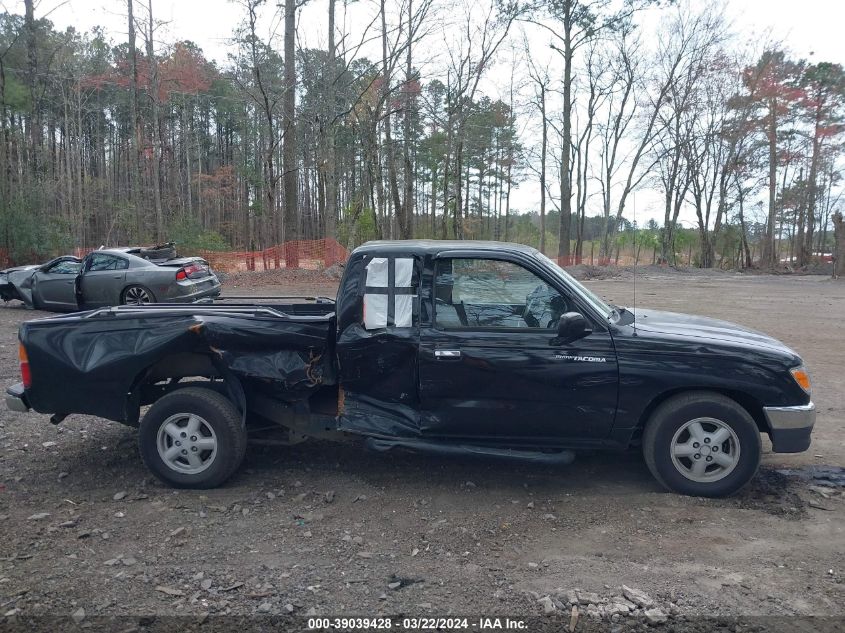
[[137, 295], [193, 438], [702, 444]]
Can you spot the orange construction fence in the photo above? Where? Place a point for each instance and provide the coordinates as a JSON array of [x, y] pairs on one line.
[[299, 254]]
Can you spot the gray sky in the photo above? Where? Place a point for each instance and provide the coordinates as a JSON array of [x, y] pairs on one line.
[[809, 26], [809, 29]]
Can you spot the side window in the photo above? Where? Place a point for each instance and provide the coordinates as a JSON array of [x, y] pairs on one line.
[[488, 293], [389, 293], [102, 261], [67, 267]]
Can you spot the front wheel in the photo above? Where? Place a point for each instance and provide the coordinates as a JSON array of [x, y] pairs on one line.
[[193, 438], [702, 444]]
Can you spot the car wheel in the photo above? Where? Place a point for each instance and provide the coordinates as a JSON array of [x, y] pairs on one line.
[[702, 444], [136, 296], [193, 438]]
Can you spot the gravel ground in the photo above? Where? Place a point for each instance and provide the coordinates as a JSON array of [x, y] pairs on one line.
[[329, 530]]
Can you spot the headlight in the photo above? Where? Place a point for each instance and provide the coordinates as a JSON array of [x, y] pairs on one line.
[[802, 378]]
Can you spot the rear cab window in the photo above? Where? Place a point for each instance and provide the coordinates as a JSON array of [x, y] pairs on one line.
[[390, 292]]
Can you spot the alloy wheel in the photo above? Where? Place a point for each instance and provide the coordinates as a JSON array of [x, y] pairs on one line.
[[705, 450], [186, 443], [137, 296]]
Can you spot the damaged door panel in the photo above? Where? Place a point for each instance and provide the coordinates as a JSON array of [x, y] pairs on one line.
[[25, 283], [455, 348], [56, 286]]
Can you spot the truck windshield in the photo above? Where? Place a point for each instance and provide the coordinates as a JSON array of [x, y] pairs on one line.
[[592, 298]]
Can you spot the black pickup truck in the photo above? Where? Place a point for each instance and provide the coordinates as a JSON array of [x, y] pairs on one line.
[[449, 347]]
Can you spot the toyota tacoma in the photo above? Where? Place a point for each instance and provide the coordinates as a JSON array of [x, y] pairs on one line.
[[464, 348]]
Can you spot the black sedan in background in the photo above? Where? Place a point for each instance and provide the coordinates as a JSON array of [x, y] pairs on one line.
[[107, 277]]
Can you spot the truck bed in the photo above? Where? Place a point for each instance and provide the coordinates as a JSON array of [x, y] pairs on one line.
[[97, 362]]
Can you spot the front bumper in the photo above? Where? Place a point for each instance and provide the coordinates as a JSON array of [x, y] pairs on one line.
[[790, 427], [16, 398]]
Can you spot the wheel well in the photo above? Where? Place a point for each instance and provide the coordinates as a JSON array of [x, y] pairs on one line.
[[750, 404], [145, 389], [181, 365]]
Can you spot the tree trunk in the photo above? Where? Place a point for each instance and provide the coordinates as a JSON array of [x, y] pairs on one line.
[[390, 153], [543, 146], [330, 168], [31, 80], [446, 163], [565, 176], [458, 229], [407, 226], [743, 235], [769, 254], [838, 245], [156, 141], [5, 163], [806, 247], [291, 180], [134, 189]]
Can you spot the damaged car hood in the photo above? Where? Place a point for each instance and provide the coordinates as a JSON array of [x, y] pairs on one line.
[[16, 269], [16, 283]]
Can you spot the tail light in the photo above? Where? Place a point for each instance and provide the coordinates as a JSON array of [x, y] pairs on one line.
[[192, 271], [26, 374]]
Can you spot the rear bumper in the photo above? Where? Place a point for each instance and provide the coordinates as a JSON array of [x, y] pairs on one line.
[[190, 297], [16, 399], [790, 427]]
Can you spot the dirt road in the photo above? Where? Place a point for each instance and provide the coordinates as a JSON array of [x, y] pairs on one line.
[[328, 530]]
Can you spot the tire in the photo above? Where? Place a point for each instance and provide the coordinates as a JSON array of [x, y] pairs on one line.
[[702, 444], [187, 419], [134, 295]]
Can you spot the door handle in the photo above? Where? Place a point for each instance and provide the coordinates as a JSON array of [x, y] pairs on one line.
[[447, 354]]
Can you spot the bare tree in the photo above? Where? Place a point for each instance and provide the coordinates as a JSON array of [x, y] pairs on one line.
[[478, 43], [577, 22], [540, 80], [682, 61]]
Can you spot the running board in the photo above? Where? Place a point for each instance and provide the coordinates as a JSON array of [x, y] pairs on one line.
[[442, 448]]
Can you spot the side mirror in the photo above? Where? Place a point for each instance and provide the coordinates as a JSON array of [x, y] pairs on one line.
[[571, 327]]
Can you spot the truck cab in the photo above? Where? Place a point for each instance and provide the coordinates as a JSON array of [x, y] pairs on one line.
[[473, 342]]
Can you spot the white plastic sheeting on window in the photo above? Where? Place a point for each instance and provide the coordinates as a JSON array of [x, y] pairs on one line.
[[379, 295]]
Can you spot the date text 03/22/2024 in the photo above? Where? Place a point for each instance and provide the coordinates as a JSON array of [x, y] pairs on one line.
[[419, 624]]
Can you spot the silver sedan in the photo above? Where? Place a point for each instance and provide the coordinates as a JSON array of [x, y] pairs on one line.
[[109, 277]]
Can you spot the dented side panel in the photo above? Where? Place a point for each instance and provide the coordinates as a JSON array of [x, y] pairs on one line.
[[91, 365], [377, 367]]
